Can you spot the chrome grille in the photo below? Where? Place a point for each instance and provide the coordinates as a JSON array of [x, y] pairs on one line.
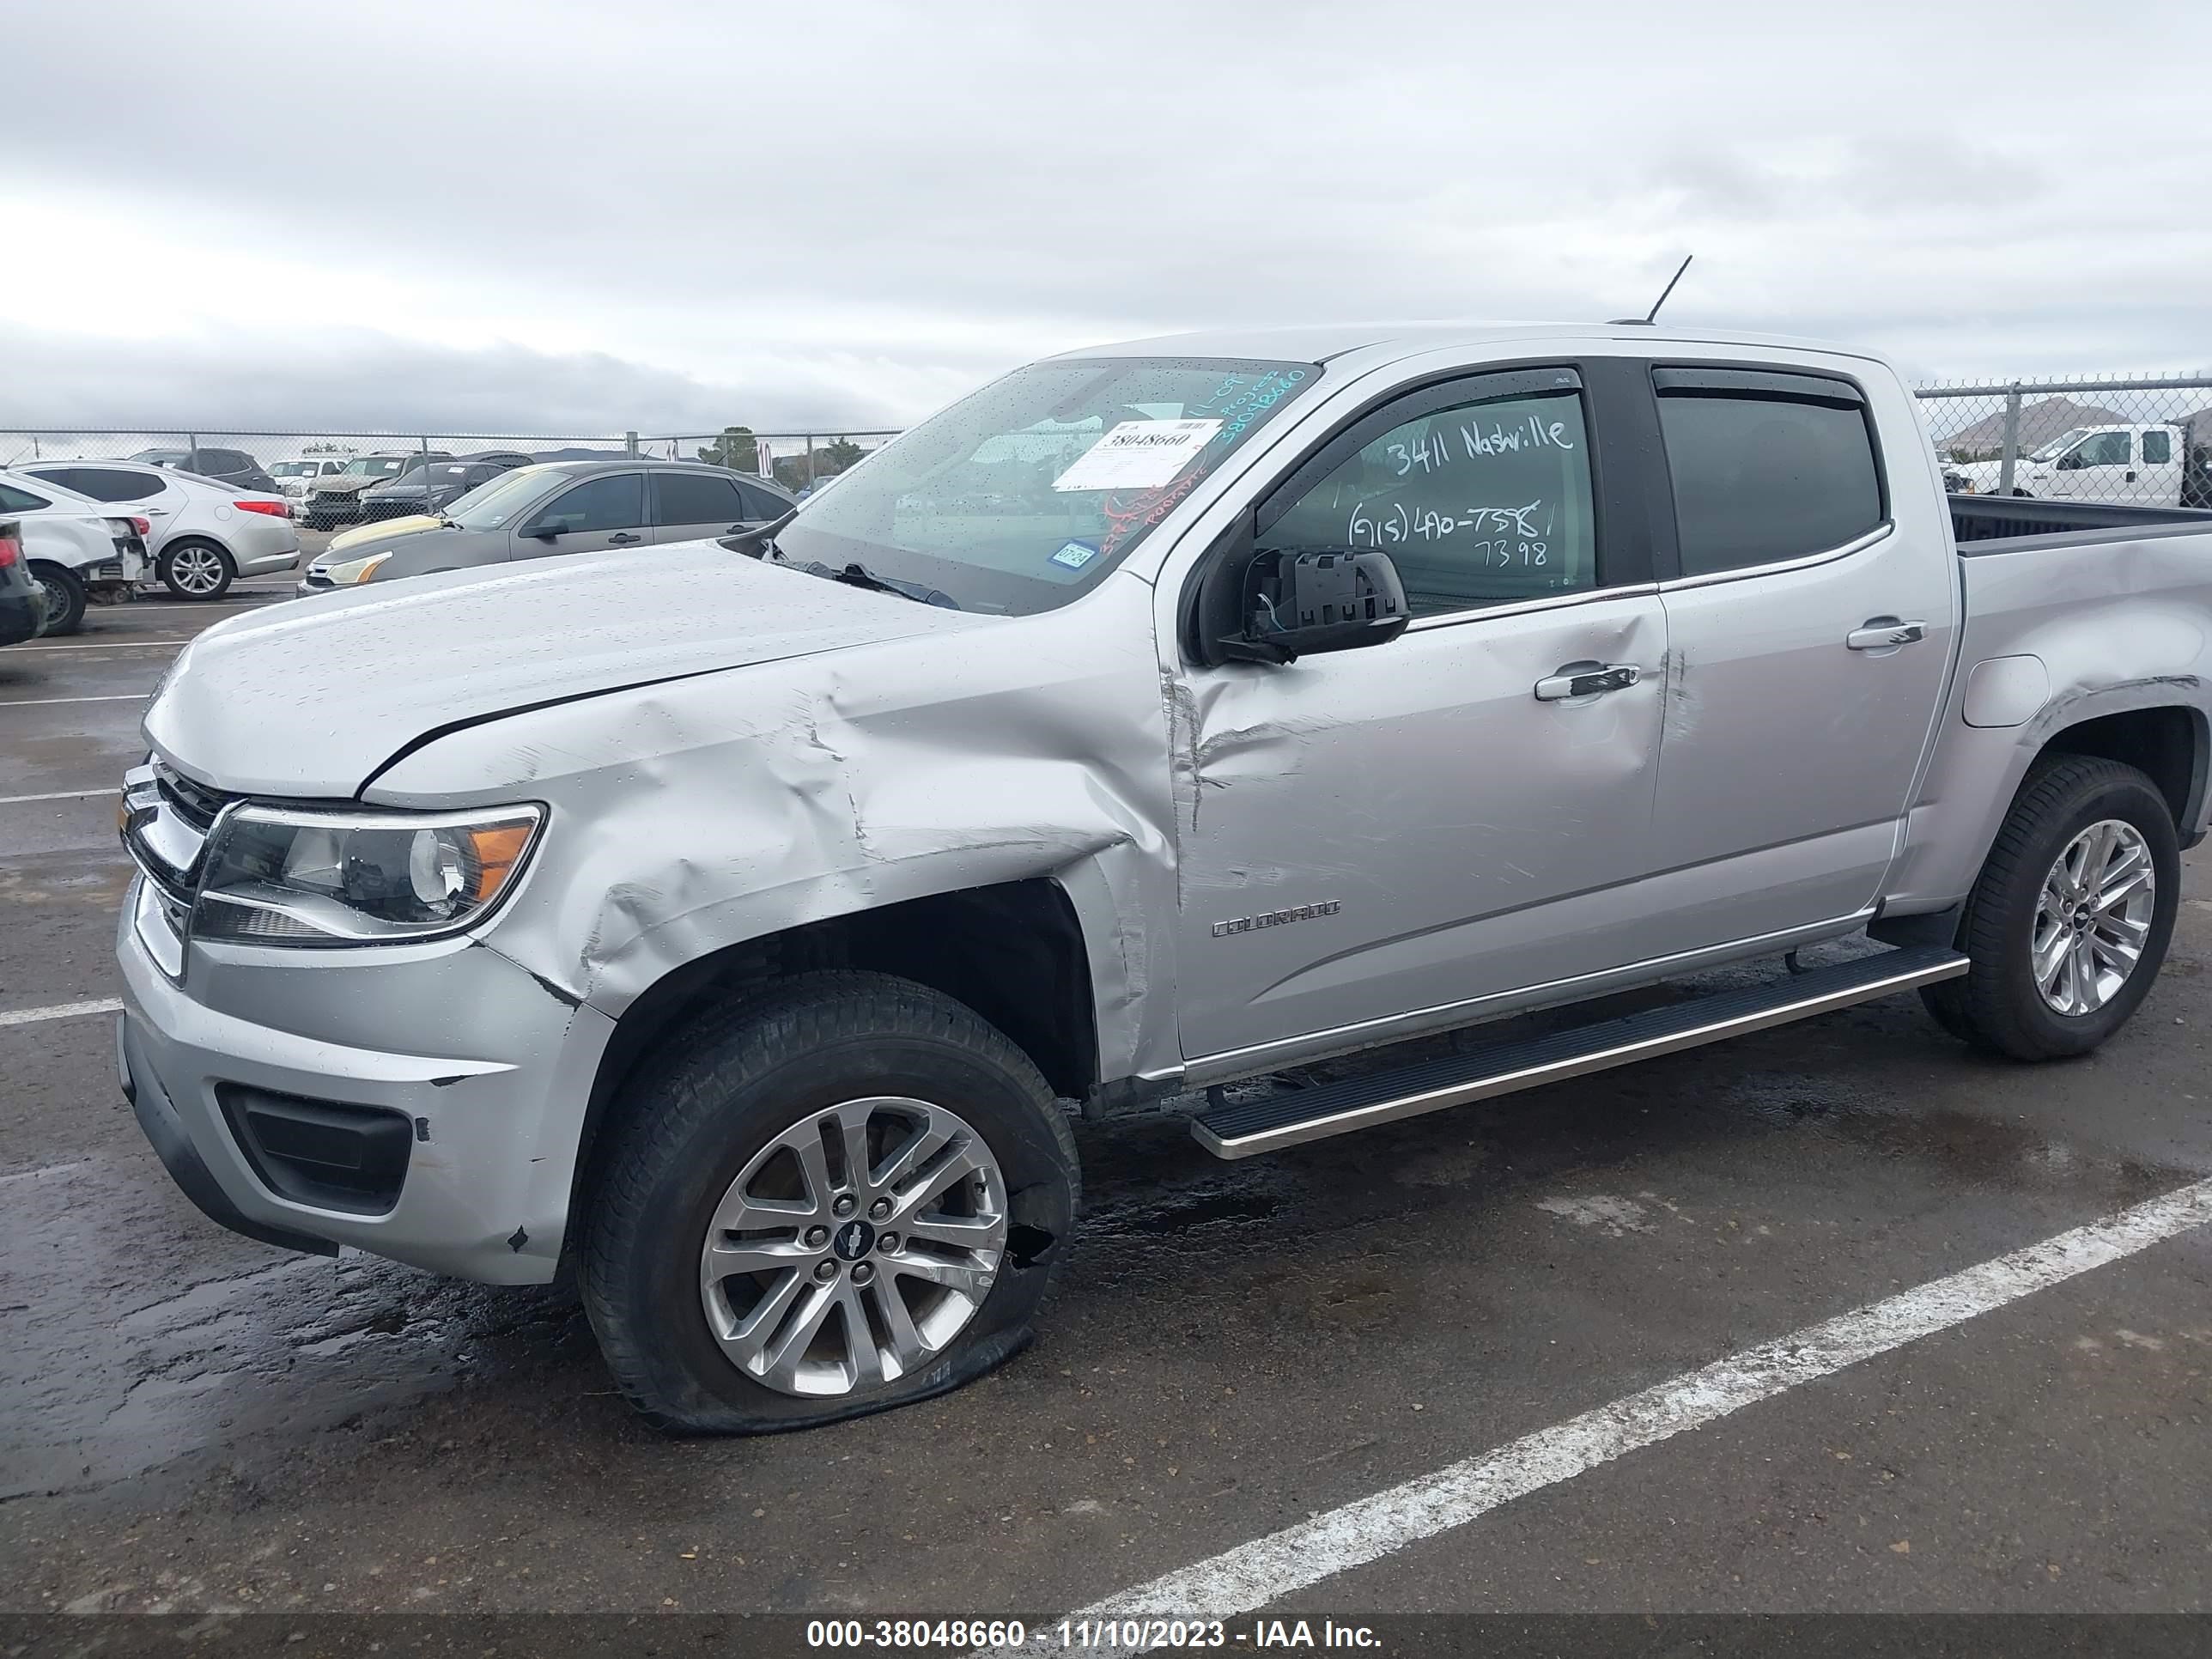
[[195, 803]]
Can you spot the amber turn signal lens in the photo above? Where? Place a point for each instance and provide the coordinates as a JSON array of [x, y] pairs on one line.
[[496, 850]]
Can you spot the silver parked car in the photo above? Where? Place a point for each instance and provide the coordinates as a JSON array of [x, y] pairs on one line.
[[559, 507], [205, 534], [747, 931]]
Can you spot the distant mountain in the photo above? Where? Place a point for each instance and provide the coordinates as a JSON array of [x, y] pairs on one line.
[[2039, 422]]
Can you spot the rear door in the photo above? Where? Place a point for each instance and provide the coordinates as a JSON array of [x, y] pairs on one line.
[[1809, 631], [687, 506], [2158, 480], [588, 517]]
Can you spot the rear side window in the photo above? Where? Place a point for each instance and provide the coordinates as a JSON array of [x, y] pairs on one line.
[[1766, 466], [689, 498], [2158, 448], [13, 500], [107, 484]]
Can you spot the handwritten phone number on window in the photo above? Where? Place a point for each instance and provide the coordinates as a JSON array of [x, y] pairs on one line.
[[1514, 540]]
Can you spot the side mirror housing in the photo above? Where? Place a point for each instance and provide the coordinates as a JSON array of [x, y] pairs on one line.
[[1296, 603], [546, 529], [2070, 461]]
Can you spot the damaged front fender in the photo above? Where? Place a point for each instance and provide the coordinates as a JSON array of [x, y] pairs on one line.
[[694, 815]]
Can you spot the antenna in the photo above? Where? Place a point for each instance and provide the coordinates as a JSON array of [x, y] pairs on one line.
[[1652, 316]]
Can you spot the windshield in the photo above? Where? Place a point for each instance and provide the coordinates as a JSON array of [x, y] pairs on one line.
[[1039, 484], [490, 506], [376, 466], [2058, 446], [293, 469]]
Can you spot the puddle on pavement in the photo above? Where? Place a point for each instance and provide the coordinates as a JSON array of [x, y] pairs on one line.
[[111, 1386]]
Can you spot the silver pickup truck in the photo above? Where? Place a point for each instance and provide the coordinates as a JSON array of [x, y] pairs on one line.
[[746, 920]]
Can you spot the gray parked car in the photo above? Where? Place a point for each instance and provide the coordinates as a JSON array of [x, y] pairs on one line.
[[562, 507], [747, 931]]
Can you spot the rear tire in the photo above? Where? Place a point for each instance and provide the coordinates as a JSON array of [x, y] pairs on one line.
[[2062, 886], [195, 569], [709, 1155], [66, 597]]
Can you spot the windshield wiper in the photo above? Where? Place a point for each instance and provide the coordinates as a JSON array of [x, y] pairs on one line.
[[857, 574]]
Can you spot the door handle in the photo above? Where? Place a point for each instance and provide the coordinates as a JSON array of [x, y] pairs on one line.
[[1885, 633], [623, 539], [1591, 680]]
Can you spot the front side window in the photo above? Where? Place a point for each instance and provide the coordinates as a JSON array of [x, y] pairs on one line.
[[2102, 449], [496, 505], [1766, 466], [2158, 447], [1032, 489], [615, 502], [1483, 502]]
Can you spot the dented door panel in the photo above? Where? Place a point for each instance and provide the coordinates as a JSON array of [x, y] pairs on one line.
[[1374, 832]]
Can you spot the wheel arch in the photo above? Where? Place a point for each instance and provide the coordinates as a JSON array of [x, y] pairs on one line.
[[1016, 952]]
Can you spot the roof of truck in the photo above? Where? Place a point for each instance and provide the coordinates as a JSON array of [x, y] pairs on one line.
[[1387, 341]]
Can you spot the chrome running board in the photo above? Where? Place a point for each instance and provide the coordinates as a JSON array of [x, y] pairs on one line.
[[1504, 1068]]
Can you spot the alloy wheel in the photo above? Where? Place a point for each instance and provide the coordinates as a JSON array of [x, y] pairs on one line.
[[2093, 917], [854, 1247], [198, 570]]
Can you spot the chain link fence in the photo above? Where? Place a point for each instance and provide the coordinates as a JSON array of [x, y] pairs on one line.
[[2143, 441], [2137, 442], [332, 479]]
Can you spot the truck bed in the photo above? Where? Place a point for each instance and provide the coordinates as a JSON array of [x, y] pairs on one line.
[[1998, 518]]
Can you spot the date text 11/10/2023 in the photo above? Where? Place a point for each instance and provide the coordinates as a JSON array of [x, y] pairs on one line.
[[1085, 1635]]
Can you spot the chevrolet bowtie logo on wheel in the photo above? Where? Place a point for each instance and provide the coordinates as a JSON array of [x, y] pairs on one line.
[[855, 1240]]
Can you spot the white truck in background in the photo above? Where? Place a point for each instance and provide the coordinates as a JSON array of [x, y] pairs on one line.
[[2128, 465]]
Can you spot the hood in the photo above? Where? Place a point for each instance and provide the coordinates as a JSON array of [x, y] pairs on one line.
[[384, 530], [347, 483], [313, 697]]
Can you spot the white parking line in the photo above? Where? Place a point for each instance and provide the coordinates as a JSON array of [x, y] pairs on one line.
[[58, 794], [48, 703], [61, 1011], [1253, 1575]]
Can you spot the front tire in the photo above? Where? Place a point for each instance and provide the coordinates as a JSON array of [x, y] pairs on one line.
[[847, 1192], [2069, 920], [195, 570], [66, 597]]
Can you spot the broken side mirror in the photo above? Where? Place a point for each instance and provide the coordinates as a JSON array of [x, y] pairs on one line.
[[1296, 603]]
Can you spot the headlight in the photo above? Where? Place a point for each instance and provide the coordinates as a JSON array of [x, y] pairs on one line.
[[350, 571], [285, 878]]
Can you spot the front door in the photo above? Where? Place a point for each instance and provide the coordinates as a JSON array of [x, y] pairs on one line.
[[1809, 639], [608, 511], [1415, 825], [2100, 468]]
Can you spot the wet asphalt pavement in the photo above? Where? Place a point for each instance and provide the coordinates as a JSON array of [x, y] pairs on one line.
[[198, 1422]]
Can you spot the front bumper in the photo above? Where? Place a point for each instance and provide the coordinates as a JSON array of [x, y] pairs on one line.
[[493, 1069]]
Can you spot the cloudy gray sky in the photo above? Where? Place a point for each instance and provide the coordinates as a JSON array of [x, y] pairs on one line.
[[545, 216]]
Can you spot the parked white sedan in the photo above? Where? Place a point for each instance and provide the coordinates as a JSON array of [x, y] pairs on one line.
[[77, 551], [205, 534]]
